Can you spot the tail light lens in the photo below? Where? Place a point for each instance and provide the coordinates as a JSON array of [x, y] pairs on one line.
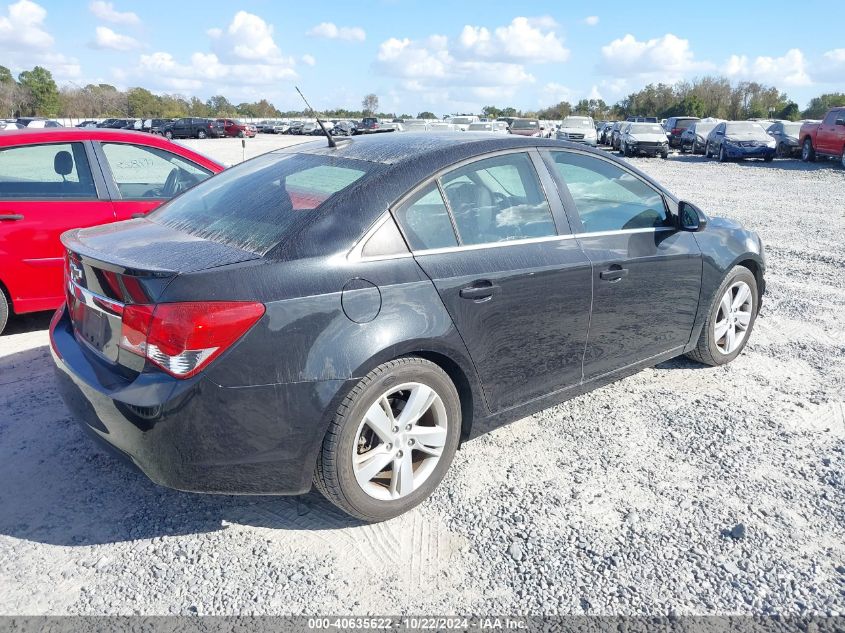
[[182, 338]]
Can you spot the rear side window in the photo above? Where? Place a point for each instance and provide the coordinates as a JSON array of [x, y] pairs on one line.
[[44, 172], [255, 205], [498, 199], [149, 172], [607, 197]]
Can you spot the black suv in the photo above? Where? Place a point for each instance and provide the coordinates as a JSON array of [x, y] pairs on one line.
[[193, 127], [675, 126]]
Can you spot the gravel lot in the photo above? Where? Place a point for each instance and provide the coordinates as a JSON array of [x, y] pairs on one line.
[[682, 489]]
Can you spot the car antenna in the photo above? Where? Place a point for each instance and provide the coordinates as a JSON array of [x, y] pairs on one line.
[[319, 122]]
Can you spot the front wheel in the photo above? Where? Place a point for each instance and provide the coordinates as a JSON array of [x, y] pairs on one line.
[[782, 150], [201, 134], [169, 135], [4, 311], [808, 153], [730, 320], [842, 158], [391, 441], [707, 150], [723, 157]]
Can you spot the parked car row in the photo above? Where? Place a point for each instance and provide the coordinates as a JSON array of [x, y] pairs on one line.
[[731, 140]]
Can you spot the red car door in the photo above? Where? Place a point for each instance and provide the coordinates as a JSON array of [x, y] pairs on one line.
[[45, 190], [141, 177]]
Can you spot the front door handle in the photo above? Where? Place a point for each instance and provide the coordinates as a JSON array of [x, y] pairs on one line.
[[479, 291], [614, 274], [10, 217]]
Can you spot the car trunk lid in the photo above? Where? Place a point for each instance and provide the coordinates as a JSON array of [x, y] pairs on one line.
[[111, 266]]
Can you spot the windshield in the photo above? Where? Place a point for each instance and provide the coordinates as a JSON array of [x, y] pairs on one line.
[[462, 120], [744, 127], [258, 204], [703, 129], [484, 127], [791, 129], [646, 128], [576, 122], [524, 124]]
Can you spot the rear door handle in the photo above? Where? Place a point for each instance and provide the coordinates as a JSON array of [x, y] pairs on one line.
[[10, 217], [479, 291], [614, 274]]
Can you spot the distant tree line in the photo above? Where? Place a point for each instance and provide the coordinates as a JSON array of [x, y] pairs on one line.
[[35, 93]]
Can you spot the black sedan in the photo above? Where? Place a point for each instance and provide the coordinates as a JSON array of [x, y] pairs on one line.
[[347, 316]]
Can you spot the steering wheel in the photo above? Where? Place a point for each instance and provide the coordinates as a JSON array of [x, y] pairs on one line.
[[171, 185]]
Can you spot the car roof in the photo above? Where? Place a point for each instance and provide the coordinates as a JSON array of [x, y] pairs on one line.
[[33, 136]]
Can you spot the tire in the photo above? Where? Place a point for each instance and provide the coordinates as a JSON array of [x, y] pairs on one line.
[[707, 150], [769, 158], [4, 311], [709, 349], [664, 155], [241, 134], [723, 158], [808, 152], [379, 498], [782, 150], [842, 158], [169, 135], [201, 134]]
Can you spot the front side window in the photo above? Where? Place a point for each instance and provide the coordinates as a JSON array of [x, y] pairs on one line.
[[149, 172], [425, 220], [498, 199], [54, 171], [608, 198]]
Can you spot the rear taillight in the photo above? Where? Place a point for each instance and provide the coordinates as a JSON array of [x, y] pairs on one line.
[[182, 338], [677, 130]]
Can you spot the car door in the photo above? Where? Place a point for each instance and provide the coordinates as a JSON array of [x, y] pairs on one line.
[[45, 190], [646, 274], [827, 133], [141, 177], [505, 265]]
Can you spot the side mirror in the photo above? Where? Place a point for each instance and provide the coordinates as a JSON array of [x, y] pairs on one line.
[[690, 217], [720, 133]]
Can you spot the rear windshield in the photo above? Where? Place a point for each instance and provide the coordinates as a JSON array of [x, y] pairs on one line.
[[257, 204], [524, 124], [683, 124]]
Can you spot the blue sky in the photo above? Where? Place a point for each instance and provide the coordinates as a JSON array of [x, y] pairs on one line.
[[427, 55]]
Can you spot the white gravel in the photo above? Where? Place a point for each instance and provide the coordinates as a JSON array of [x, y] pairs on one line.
[[682, 489]]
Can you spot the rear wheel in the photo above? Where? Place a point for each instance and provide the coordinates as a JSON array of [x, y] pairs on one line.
[[4, 311], [169, 135], [730, 320], [842, 158], [201, 134], [808, 153], [391, 441]]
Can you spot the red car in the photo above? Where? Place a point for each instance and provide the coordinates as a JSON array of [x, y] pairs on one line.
[[52, 180], [233, 127]]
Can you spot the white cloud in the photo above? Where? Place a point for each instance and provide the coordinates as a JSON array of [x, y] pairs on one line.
[[523, 40], [244, 56], [594, 93], [591, 20], [25, 42], [787, 70], [554, 92], [832, 66], [106, 12], [106, 38], [666, 58], [308, 60], [23, 27], [330, 30]]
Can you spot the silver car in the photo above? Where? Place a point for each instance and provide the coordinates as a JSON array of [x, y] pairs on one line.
[[578, 129]]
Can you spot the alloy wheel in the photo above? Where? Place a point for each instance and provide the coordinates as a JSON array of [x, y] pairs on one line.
[[400, 441], [733, 317]]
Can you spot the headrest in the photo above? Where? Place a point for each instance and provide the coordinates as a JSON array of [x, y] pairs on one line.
[[63, 163]]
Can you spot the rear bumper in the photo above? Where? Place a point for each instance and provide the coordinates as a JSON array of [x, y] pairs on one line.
[[195, 435]]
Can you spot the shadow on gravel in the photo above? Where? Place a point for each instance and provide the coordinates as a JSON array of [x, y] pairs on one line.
[[59, 488], [681, 362], [787, 164], [28, 323]]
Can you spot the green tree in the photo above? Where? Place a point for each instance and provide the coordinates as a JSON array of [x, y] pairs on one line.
[[142, 103], [790, 112], [691, 105], [6, 76], [819, 106], [197, 108], [220, 105], [509, 111], [491, 111], [45, 93], [425, 114]]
